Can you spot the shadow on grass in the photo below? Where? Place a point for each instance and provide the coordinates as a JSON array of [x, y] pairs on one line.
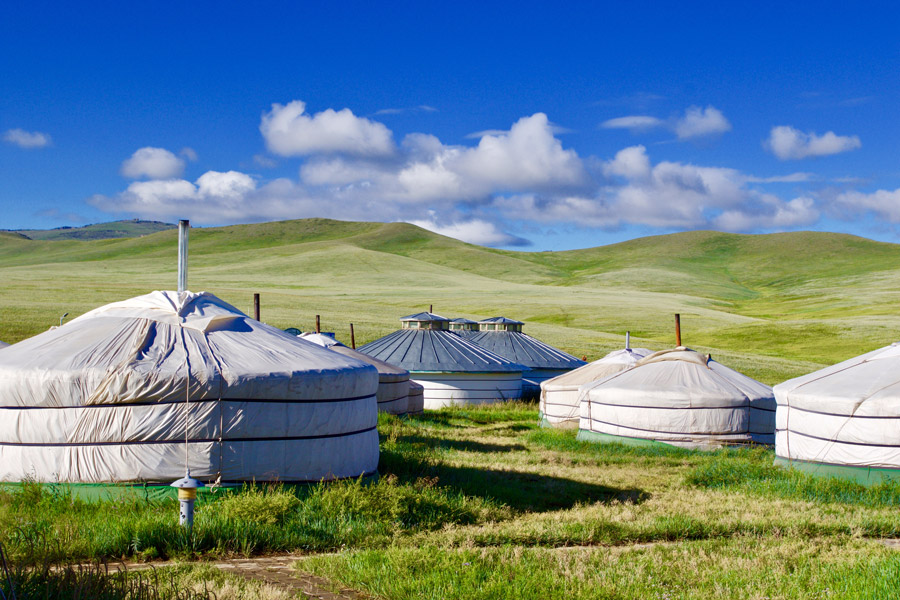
[[461, 445], [520, 491]]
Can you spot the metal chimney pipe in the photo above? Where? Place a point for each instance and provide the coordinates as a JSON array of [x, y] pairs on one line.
[[183, 227], [677, 329], [352, 337], [628, 340]]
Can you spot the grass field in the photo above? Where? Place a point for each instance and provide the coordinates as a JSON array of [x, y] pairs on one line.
[[481, 502], [773, 306]]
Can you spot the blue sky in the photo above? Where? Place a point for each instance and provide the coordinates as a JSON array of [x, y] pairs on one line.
[[521, 125]]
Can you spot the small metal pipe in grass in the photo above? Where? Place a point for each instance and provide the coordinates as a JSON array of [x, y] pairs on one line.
[[183, 226]]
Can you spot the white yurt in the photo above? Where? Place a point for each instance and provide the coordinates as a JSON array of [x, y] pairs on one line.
[[464, 327], [393, 382], [107, 396], [560, 404], [843, 420], [452, 370], [678, 397], [504, 337], [3, 345], [416, 402]]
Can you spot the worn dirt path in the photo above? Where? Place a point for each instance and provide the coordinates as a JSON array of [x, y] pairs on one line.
[[273, 570]]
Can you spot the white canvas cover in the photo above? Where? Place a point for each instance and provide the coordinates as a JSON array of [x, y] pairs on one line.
[[682, 398], [393, 382], [416, 402], [102, 399], [559, 396], [846, 414]]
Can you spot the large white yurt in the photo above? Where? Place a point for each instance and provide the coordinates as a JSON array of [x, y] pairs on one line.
[[843, 420], [393, 382], [106, 398], [504, 337], [678, 397], [560, 401], [464, 327], [452, 370]]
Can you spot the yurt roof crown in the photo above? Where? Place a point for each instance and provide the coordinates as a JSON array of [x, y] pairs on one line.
[[462, 324], [424, 320], [500, 324]]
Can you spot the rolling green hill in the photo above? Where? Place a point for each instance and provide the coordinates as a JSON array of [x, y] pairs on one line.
[[98, 231], [773, 306]]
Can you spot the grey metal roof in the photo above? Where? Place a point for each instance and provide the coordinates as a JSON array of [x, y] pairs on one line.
[[464, 321], [424, 316], [437, 350], [502, 320], [525, 350]]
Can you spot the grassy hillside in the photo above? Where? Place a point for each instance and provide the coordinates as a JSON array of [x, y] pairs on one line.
[[98, 231], [774, 306]]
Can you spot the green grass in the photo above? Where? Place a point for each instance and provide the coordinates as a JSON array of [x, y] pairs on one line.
[[773, 306]]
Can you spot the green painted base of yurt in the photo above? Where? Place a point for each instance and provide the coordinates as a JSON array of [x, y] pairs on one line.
[[605, 438], [863, 475]]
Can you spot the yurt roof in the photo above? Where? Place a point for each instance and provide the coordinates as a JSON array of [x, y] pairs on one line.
[[870, 383], [3, 344], [424, 316], [437, 350], [501, 320], [464, 321], [612, 363], [524, 349], [335, 346], [138, 349], [682, 378]]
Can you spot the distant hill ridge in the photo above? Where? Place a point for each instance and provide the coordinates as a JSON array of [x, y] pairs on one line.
[[98, 231], [706, 263]]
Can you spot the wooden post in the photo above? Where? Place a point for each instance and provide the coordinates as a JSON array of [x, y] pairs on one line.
[[256, 306], [318, 327], [677, 329], [352, 337]]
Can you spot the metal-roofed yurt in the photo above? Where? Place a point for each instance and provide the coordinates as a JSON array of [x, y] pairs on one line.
[[678, 397], [843, 420], [504, 337], [393, 382], [107, 397], [560, 404], [464, 327], [452, 370]]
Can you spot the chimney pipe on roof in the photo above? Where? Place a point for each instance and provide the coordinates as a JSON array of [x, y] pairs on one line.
[[628, 340], [183, 227]]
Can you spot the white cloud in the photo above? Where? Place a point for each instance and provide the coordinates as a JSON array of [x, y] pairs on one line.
[[883, 203], [788, 143], [27, 139], [667, 195], [289, 131], [798, 177], [698, 122], [634, 123], [474, 231], [154, 163], [189, 154], [264, 161]]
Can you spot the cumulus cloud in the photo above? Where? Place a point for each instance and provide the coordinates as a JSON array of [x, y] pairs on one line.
[[189, 154], [788, 143], [633, 123], [698, 122], [885, 204], [695, 122], [475, 231], [153, 163], [27, 139], [668, 195], [289, 131]]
